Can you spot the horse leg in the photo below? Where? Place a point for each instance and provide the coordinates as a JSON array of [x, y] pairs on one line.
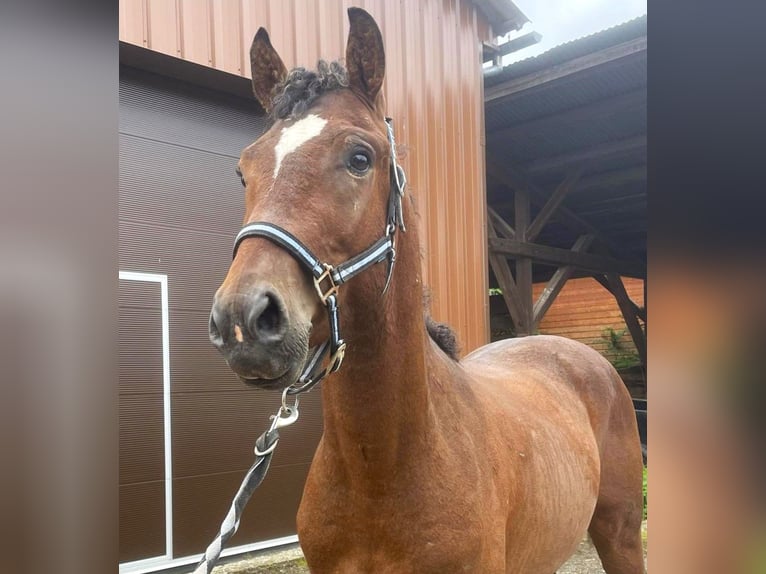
[[616, 524]]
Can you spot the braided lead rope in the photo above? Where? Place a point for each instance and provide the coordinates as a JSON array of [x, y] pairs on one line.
[[264, 450]]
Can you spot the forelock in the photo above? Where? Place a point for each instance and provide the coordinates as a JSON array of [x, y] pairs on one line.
[[302, 87]]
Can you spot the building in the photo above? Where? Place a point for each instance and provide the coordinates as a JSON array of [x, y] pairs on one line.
[[566, 169]]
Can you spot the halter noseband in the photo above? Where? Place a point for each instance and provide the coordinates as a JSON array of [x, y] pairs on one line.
[[328, 278]]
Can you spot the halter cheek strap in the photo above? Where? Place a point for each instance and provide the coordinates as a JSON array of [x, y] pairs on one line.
[[328, 278]]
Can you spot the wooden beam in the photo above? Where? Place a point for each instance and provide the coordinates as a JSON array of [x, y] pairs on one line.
[[586, 114], [523, 264], [638, 311], [624, 302], [500, 201], [556, 283], [609, 150], [516, 179], [500, 225], [554, 201], [502, 272], [596, 263], [566, 71]]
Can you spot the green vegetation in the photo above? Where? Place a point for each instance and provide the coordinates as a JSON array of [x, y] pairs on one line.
[[644, 493], [617, 350]]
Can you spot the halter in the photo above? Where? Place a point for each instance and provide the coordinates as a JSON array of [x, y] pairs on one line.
[[328, 278]]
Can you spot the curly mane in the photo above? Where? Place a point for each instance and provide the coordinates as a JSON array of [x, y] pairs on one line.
[[301, 87], [443, 335]]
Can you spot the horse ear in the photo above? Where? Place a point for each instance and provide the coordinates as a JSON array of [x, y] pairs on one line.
[[365, 57], [267, 68]]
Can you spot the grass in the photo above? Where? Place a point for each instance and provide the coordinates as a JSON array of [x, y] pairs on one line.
[[644, 493]]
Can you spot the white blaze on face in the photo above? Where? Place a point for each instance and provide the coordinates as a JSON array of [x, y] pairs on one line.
[[294, 136]]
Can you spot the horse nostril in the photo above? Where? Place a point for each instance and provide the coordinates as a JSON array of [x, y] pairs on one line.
[[214, 331], [267, 320], [270, 318]]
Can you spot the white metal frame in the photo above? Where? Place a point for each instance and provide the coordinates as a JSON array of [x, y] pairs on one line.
[[156, 564], [162, 279], [167, 560]]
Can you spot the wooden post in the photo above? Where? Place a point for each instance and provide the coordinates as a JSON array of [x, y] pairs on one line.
[[646, 325], [639, 312], [628, 313], [523, 264], [504, 278]]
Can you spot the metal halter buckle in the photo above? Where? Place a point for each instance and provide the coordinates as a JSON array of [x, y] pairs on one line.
[[337, 357], [326, 275]]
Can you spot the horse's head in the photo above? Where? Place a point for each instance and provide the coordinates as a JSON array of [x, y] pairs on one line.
[[321, 173]]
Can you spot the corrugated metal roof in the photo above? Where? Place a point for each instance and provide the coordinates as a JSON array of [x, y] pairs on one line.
[[573, 49], [608, 83]]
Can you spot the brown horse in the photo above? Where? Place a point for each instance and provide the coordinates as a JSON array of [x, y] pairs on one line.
[[499, 462]]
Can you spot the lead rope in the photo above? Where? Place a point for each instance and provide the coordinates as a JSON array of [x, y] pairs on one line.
[[313, 373], [264, 450]]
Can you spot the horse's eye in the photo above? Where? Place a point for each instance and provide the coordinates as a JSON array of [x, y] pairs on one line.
[[359, 163]]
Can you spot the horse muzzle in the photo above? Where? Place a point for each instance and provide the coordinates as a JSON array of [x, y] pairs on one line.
[[253, 332]]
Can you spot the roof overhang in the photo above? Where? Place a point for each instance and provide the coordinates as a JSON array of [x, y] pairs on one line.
[[569, 128], [503, 15]]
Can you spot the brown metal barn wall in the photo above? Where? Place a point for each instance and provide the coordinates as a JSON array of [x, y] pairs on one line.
[[434, 91]]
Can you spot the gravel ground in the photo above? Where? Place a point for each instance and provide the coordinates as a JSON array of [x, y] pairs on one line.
[[290, 561]]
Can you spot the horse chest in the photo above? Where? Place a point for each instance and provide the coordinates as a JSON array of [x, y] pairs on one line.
[[410, 550], [410, 528]]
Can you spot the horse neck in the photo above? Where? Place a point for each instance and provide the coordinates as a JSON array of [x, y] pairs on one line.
[[378, 401]]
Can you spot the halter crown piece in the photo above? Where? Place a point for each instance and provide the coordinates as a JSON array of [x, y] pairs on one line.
[[329, 278]]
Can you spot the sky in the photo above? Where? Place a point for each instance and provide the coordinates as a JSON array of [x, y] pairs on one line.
[[560, 21]]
